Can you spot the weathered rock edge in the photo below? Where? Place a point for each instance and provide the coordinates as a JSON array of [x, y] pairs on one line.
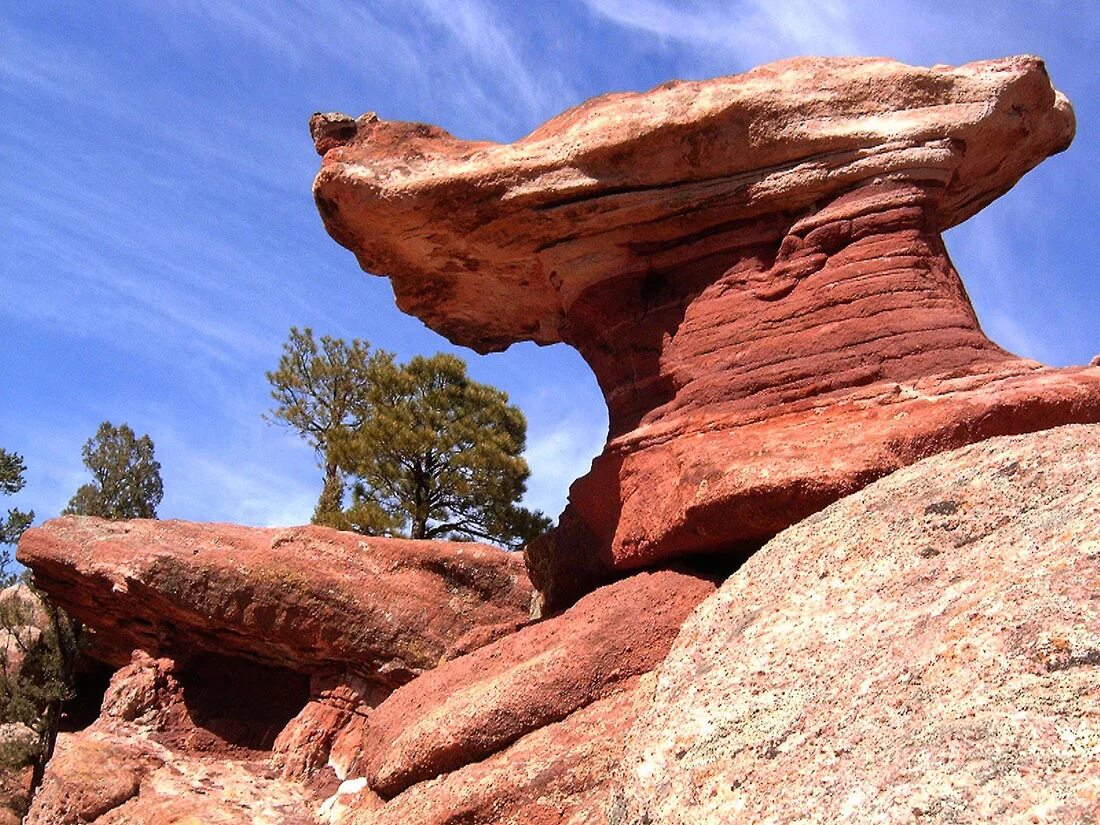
[[309, 599], [476, 705]]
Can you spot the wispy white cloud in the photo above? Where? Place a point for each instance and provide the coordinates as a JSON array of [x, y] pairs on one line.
[[492, 45], [459, 49], [751, 29], [559, 453]]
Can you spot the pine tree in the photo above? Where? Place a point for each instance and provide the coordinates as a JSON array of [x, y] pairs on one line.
[[12, 527], [126, 475], [430, 453]]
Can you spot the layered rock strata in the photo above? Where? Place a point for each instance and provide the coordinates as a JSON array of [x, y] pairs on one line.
[[752, 266], [925, 650], [280, 641]]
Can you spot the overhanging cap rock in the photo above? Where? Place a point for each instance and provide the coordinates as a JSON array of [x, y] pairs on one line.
[[490, 244]]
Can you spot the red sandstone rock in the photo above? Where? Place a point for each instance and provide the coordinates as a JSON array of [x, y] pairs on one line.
[[926, 650], [90, 775], [162, 751], [558, 775], [111, 775], [328, 731], [753, 268], [308, 599], [474, 706]]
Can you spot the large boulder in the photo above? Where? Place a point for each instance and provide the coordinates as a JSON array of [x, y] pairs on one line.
[[927, 650], [306, 599], [751, 265]]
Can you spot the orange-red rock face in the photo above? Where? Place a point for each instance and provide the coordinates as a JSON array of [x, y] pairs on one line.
[[309, 599], [751, 265], [477, 705]]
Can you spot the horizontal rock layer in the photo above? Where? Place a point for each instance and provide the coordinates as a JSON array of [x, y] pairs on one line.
[[308, 599], [752, 266], [925, 650]]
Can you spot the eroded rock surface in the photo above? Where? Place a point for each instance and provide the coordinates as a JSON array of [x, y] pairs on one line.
[[560, 774], [751, 265], [476, 705], [167, 748], [308, 599], [111, 775], [926, 650]]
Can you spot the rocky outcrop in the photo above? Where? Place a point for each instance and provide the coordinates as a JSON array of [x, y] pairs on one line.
[[115, 777], [925, 650], [308, 599], [276, 640], [160, 752], [560, 774], [753, 268], [476, 705]]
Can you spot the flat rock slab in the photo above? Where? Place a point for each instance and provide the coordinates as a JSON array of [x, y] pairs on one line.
[[752, 266], [560, 774], [925, 650], [474, 706], [308, 599], [492, 243]]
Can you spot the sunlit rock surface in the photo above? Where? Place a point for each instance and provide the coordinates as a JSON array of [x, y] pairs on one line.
[[751, 265], [926, 650], [309, 599]]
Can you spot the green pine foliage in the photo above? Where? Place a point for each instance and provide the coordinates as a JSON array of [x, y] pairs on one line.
[[126, 476], [37, 659], [417, 449], [12, 469]]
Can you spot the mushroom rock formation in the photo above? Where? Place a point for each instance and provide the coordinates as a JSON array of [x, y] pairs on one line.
[[751, 265]]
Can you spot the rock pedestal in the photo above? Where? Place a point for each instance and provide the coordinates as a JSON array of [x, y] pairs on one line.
[[753, 268]]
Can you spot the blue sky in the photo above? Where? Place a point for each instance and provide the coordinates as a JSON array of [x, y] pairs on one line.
[[159, 237]]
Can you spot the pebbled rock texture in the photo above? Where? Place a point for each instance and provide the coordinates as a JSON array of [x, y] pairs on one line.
[[751, 265], [112, 776], [470, 708], [307, 599], [926, 650]]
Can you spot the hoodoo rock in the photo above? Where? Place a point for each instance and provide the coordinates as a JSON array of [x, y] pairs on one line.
[[753, 268], [926, 650], [308, 599]]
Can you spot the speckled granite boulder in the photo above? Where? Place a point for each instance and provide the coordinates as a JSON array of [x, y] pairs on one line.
[[926, 650]]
